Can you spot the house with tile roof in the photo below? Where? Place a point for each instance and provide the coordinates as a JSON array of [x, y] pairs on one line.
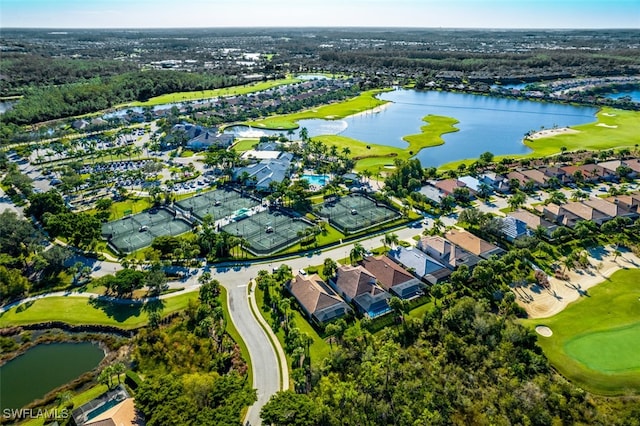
[[538, 177], [557, 214], [630, 202], [610, 209], [586, 212], [450, 255], [358, 286], [473, 244], [318, 301], [420, 264], [447, 186], [498, 182], [393, 277]]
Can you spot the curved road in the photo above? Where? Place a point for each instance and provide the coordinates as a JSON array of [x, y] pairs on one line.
[[235, 277]]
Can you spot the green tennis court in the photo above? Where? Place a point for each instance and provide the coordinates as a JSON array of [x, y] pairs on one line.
[[135, 232], [219, 203], [355, 213], [269, 232]]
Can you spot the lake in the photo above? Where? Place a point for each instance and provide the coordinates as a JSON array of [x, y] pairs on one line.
[[486, 123], [6, 106], [43, 368], [634, 93]]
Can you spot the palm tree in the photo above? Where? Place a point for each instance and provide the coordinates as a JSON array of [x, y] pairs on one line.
[[390, 239], [357, 252], [304, 134]]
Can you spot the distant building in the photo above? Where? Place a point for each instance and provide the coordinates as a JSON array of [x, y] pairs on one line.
[[533, 221], [261, 175], [199, 138]]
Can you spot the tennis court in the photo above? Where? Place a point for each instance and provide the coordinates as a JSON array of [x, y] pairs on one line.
[[219, 203], [355, 213], [135, 232], [268, 232]]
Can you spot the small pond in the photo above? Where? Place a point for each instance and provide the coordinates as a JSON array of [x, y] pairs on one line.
[[43, 368]]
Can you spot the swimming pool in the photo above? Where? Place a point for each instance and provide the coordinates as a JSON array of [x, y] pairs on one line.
[[316, 180]]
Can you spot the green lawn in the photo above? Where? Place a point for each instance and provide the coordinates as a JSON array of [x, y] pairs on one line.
[[78, 400], [205, 94], [135, 205], [596, 340], [624, 126], [235, 335], [364, 102], [614, 128], [79, 310], [243, 145], [431, 134]]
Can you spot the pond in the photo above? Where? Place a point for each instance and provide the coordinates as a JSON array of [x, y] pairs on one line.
[[486, 123], [43, 368], [633, 93], [6, 106]]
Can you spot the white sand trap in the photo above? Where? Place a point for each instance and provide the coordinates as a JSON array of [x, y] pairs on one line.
[[544, 331], [608, 114], [608, 126], [551, 132]]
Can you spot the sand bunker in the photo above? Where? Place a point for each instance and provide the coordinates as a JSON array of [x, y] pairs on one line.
[[544, 303], [551, 132], [608, 114], [544, 331], [608, 126]]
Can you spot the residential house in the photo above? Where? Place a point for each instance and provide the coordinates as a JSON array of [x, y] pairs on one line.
[[586, 212], [590, 172], [610, 209], [447, 253], [80, 124], [392, 277], [420, 264], [318, 301], [557, 214], [519, 177], [447, 186], [537, 176], [473, 244], [472, 183], [358, 286], [558, 173], [612, 166], [114, 407], [630, 202], [513, 228], [498, 182], [432, 193], [533, 221]]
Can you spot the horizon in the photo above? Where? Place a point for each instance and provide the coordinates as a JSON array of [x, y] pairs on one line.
[[401, 14]]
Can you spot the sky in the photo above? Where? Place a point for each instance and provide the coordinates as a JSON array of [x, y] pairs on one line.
[[320, 13]]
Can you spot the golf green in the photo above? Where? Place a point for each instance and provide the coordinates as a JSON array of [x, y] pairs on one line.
[[596, 339], [612, 351]]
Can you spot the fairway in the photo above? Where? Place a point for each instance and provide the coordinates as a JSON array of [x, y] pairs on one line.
[[80, 310], [596, 340]]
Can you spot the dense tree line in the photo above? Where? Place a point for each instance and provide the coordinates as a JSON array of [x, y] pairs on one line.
[[193, 371], [460, 364], [51, 102], [32, 70]]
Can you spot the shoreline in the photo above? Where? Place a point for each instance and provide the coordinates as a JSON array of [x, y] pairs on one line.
[[546, 133], [540, 303]]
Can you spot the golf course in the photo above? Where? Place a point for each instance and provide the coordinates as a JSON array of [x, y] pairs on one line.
[[595, 341]]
